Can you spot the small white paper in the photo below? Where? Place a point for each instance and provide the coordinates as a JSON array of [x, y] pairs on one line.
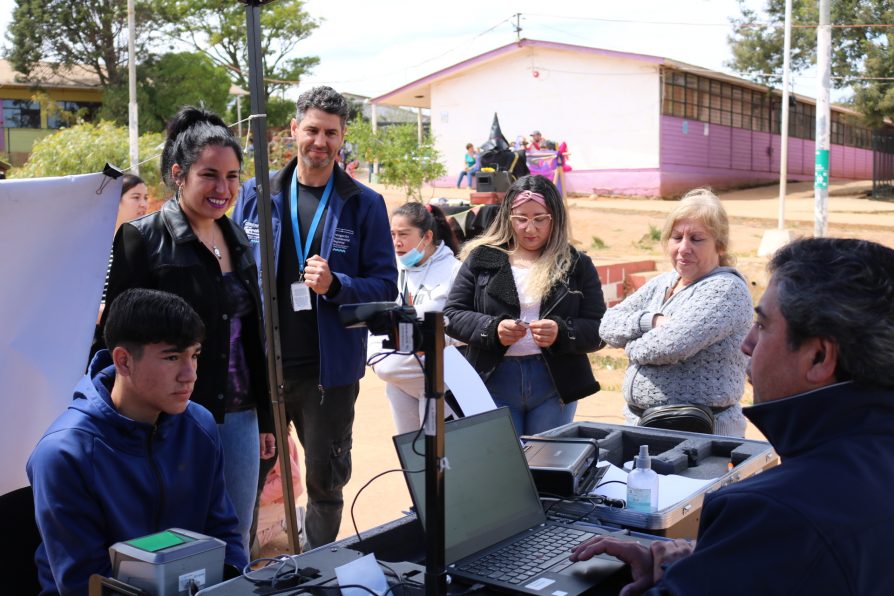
[[300, 296], [467, 387], [672, 488], [364, 571]]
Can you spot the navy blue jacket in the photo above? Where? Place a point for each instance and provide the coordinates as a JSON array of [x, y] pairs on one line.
[[820, 523], [357, 245], [100, 478]]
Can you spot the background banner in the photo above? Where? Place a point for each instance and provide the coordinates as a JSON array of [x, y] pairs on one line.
[[55, 239]]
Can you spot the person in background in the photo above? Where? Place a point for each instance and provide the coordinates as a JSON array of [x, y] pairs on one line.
[[132, 455], [133, 204], [331, 248], [191, 248], [134, 200], [536, 141], [528, 305], [426, 255], [682, 330], [472, 166], [820, 362]]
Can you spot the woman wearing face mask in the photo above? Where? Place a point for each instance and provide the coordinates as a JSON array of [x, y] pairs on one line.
[[529, 305], [192, 249], [425, 247]]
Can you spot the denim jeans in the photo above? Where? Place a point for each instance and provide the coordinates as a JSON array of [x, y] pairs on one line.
[[241, 446], [471, 176], [324, 426], [524, 384]]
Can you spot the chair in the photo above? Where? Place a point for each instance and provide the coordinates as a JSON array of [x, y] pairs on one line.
[[21, 539]]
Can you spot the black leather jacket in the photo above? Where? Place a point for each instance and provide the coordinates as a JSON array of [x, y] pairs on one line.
[[484, 294], [161, 252]]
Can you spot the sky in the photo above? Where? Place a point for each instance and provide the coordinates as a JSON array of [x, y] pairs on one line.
[[370, 48]]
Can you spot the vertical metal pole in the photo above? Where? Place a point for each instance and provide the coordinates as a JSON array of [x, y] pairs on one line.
[[133, 123], [786, 78], [374, 166], [435, 462], [824, 69], [419, 125], [268, 274]]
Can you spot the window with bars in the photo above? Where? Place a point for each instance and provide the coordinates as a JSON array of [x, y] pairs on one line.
[[694, 97]]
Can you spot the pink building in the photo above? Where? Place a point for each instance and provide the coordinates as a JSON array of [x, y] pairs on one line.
[[634, 124]]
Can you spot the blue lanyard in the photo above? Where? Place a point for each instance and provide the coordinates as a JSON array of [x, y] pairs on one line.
[[296, 231]]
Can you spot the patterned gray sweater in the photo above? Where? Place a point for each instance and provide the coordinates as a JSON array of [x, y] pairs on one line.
[[695, 355]]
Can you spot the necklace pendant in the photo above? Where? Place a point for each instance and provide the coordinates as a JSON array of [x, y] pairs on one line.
[[216, 252]]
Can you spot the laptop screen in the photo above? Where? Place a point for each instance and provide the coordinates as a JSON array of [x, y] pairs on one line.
[[489, 494]]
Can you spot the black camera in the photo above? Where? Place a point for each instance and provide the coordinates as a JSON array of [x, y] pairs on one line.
[[398, 322]]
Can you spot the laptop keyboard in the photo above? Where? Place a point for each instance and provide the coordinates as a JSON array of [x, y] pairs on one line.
[[525, 558]]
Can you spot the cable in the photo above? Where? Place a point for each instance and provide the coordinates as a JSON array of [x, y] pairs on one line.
[[370, 481]]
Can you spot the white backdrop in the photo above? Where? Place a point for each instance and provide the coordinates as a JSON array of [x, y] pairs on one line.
[[55, 238]]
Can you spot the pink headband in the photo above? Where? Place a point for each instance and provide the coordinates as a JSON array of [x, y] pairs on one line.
[[525, 196]]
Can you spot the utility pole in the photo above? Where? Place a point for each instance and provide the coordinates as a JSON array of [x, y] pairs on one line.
[[133, 126], [824, 70], [773, 240]]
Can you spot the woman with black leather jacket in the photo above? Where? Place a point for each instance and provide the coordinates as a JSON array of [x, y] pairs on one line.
[[529, 305], [192, 249]]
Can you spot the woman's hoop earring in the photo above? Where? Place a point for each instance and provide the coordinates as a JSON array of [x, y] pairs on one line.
[[179, 192]]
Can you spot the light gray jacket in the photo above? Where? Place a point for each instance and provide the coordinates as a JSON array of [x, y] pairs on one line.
[[695, 356]]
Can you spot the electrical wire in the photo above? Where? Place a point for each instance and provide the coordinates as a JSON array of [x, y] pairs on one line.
[[370, 481]]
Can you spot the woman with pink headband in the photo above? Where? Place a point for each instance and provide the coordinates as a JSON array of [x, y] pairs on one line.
[[529, 305]]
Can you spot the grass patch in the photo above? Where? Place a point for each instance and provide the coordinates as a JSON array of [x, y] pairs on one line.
[[597, 243], [607, 362], [649, 239]]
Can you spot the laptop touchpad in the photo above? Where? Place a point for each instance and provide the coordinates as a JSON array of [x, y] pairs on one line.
[[597, 567]]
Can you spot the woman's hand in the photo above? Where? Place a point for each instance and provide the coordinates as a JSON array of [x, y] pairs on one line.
[[509, 331], [268, 445], [545, 332]]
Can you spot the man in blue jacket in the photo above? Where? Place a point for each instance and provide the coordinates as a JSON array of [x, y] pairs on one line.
[[822, 369], [131, 455], [333, 246]]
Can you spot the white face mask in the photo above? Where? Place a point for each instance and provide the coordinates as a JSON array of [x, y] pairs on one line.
[[412, 257]]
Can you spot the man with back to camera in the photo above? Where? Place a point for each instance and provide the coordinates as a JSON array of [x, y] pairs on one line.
[[822, 350], [333, 246], [131, 455]]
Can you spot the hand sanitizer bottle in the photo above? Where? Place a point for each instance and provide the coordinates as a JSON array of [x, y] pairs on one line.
[[642, 484]]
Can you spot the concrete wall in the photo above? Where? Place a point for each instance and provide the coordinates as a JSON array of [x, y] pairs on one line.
[[605, 108], [696, 154]]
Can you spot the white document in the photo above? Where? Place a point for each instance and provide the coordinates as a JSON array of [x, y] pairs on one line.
[[364, 571], [672, 488], [467, 387], [55, 237]]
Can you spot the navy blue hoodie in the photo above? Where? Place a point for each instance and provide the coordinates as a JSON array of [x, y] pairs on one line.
[[100, 478]]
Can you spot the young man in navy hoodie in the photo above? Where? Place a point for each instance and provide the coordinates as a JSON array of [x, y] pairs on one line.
[[131, 455]]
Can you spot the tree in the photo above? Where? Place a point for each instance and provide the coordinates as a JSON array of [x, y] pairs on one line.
[[85, 148], [404, 161], [217, 27], [90, 33], [859, 54], [165, 84]]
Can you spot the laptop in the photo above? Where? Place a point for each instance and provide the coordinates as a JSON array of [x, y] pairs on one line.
[[494, 521]]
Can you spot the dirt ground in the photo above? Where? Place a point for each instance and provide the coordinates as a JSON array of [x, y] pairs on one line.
[[610, 229]]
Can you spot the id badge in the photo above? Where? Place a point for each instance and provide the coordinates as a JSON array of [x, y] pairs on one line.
[[300, 296]]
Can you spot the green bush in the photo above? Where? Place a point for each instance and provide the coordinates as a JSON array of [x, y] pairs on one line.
[[85, 148], [403, 161]]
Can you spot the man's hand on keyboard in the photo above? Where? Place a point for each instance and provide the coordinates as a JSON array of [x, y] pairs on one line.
[[647, 564]]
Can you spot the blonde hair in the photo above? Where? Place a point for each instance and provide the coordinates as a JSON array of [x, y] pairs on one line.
[[555, 258], [703, 206]]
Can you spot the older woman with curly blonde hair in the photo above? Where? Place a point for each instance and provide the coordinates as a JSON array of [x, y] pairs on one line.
[[682, 331]]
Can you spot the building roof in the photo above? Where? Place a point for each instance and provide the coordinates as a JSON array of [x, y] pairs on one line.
[[49, 75], [418, 92]]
